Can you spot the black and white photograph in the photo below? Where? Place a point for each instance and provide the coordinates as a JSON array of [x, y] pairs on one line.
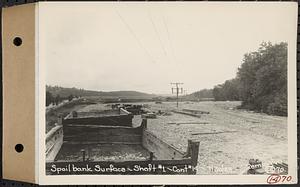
[[166, 88]]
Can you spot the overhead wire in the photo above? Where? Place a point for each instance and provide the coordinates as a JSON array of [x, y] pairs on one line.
[[169, 37], [156, 31], [134, 35]]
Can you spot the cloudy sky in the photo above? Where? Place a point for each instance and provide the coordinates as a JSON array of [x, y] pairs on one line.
[[146, 46]]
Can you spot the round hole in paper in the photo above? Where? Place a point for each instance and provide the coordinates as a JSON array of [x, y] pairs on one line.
[[19, 148], [17, 41]]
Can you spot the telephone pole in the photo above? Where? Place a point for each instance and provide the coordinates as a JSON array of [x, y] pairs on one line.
[[185, 92], [178, 89]]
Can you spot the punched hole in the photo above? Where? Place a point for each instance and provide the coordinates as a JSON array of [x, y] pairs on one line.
[[19, 148], [17, 41]]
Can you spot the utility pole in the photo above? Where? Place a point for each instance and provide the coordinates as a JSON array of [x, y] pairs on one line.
[[178, 89], [185, 92]]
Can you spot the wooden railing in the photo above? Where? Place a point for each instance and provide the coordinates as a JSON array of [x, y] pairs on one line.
[[54, 141]]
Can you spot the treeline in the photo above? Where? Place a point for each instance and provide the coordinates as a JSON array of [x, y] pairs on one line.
[[261, 81], [203, 94], [55, 100], [228, 91], [57, 94], [66, 92]]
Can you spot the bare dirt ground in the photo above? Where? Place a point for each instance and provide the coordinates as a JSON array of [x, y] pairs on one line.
[[228, 138], [94, 108]]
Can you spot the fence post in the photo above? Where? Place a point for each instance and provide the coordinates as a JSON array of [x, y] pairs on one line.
[[194, 152], [83, 154], [60, 120], [144, 124], [189, 149], [151, 156]]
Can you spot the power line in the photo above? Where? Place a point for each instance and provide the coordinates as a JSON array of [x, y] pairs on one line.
[[134, 35], [156, 32], [169, 37], [178, 90], [185, 92]]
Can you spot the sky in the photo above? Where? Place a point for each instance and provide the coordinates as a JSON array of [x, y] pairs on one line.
[[146, 46]]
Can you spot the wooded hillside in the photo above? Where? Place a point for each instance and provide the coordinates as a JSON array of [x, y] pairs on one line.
[[55, 94], [261, 81]]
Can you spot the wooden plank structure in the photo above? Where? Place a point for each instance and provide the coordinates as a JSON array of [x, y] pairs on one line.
[[119, 117], [186, 113], [158, 156], [195, 111], [190, 112], [101, 133], [54, 141]]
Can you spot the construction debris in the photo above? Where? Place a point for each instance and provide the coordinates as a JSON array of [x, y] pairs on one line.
[[163, 113], [195, 111], [134, 109], [192, 122], [150, 115], [187, 113], [205, 133]]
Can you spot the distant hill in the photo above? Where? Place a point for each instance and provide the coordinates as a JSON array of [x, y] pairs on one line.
[[65, 92]]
